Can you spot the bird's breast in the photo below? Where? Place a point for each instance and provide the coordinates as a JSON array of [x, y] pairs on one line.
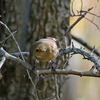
[[47, 55], [47, 50]]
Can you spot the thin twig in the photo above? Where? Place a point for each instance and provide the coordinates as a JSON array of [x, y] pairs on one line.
[[56, 87], [81, 17], [7, 37], [72, 7], [13, 38], [17, 54], [91, 13], [81, 5], [93, 23]]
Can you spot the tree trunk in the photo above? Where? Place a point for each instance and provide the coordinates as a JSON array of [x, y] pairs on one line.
[[33, 19]]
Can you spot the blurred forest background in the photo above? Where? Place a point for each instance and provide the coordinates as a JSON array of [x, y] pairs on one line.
[[35, 19]]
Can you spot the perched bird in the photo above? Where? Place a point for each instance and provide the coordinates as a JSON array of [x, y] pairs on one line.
[[44, 49]]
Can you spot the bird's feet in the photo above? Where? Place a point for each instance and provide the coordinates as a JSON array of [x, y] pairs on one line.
[[52, 68], [33, 68]]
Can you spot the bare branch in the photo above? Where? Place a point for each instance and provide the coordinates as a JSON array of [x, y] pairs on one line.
[[91, 13], [69, 72], [13, 38], [81, 17], [82, 52], [85, 54], [85, 44], [60, 71], [5, 26], [2, 42], [81, 11], [17, 54], [15, 59]]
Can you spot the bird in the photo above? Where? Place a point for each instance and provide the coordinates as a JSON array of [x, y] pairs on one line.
[[44, 50]]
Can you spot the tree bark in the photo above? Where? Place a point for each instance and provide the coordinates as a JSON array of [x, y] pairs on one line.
[[33, 19]]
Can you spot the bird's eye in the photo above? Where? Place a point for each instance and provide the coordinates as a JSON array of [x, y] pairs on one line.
[[37, 50]]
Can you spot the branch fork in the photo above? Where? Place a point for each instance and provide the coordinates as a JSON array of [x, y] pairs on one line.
[[90, 57]]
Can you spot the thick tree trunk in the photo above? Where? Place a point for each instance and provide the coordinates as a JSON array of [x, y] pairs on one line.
[[33, 19]]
